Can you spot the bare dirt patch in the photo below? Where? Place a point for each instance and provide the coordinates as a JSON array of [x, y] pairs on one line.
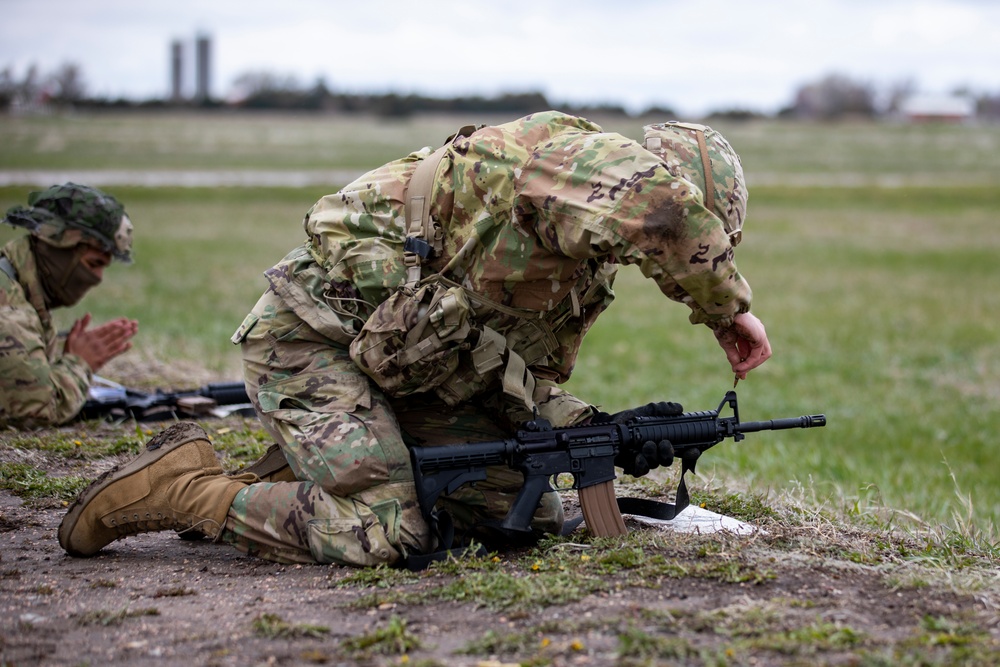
[[810, 591]]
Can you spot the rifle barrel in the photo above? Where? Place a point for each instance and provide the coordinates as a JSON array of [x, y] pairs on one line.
[[806, 421]]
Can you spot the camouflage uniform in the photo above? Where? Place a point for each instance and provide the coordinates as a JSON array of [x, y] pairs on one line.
[[556, 205], [39, 385]]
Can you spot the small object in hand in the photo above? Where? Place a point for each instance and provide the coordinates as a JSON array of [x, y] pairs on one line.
[[736, 381]]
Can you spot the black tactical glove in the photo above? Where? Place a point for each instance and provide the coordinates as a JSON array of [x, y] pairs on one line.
[[650, 456], [661, 409]]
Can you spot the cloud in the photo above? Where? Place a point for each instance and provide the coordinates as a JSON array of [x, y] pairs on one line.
[[694, 56]]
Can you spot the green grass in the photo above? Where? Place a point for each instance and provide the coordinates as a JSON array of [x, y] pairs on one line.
[[272, 626], [108, 617], [214, 141], [200, 255], [238, 442], [880, 301], [36, 486], [774, 152], [392, 639]]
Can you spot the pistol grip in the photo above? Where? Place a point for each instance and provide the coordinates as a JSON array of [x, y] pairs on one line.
[[527, 501]]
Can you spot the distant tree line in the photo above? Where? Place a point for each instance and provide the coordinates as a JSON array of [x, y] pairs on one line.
[[832, 97], [264, 90], [62, 87]]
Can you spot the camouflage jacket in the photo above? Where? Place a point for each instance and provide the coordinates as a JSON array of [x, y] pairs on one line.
[[39, 385], [557, 204]]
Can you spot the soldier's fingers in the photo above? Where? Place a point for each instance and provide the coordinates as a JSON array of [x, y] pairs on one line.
[[641, 466], [757, 355], [665, 453], [79, 325], [649, 454], [731, 350]]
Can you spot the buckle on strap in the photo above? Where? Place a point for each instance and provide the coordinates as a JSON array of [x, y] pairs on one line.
[[488, 355], [416, 246], [518, 382], [416, 201]]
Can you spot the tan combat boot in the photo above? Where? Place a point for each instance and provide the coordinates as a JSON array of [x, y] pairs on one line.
[[176, 483], [271, 467]]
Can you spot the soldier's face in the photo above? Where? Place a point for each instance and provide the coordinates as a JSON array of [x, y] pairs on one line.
[[95, 259]]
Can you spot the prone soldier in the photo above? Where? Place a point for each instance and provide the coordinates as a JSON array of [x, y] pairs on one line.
[[75, 233]]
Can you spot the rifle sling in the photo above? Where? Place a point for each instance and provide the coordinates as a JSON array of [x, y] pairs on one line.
[[444, 530]]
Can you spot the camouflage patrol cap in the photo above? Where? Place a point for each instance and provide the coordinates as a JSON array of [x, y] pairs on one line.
[[702, 156], [69, 214]]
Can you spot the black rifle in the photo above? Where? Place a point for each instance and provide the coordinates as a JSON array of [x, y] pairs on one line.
[[110, 400], [588, 453]]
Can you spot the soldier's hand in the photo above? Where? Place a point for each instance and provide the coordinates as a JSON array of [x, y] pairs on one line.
[[745, 344], [99, 345], [661, 409], [650, 456]]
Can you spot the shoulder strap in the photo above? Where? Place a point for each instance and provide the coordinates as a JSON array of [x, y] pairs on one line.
[[417, 202], [653, 143]]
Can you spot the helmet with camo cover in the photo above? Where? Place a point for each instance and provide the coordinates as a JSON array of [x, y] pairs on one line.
[[69, 214], [702, 156]]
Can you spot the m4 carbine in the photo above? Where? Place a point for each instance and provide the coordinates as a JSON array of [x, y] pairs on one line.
[[109, 399], [588, 453]]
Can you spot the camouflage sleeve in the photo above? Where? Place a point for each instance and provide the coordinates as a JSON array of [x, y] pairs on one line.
[[560, 407], [603, 194], [34, 390]]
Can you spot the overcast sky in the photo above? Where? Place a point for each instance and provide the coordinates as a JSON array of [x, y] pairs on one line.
[[693, 56]]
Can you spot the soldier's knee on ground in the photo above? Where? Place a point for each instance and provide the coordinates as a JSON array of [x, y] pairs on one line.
[[360, 541]]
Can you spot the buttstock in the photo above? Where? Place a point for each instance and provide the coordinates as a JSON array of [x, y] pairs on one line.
[[600, 510]]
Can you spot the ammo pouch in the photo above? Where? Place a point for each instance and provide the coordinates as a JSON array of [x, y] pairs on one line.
[[411, 342], [425, 339]]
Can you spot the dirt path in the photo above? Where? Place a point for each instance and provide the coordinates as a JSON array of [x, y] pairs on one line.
[[159, 600]]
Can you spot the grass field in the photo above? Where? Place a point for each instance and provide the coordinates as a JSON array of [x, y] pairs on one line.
[[871, 249]]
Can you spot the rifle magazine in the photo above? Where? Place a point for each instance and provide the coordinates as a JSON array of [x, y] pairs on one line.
[[600, 510]]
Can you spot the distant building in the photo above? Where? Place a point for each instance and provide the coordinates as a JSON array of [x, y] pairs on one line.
[[939, 108], [176, 71], [181, 70], [203, 67]]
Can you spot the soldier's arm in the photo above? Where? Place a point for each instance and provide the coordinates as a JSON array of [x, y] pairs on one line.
[[34, 390], [628, 207]]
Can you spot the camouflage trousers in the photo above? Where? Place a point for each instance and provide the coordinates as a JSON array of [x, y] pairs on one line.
[[346, 441]]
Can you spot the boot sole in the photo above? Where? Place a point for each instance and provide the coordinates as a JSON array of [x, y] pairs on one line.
[[156, 449]]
